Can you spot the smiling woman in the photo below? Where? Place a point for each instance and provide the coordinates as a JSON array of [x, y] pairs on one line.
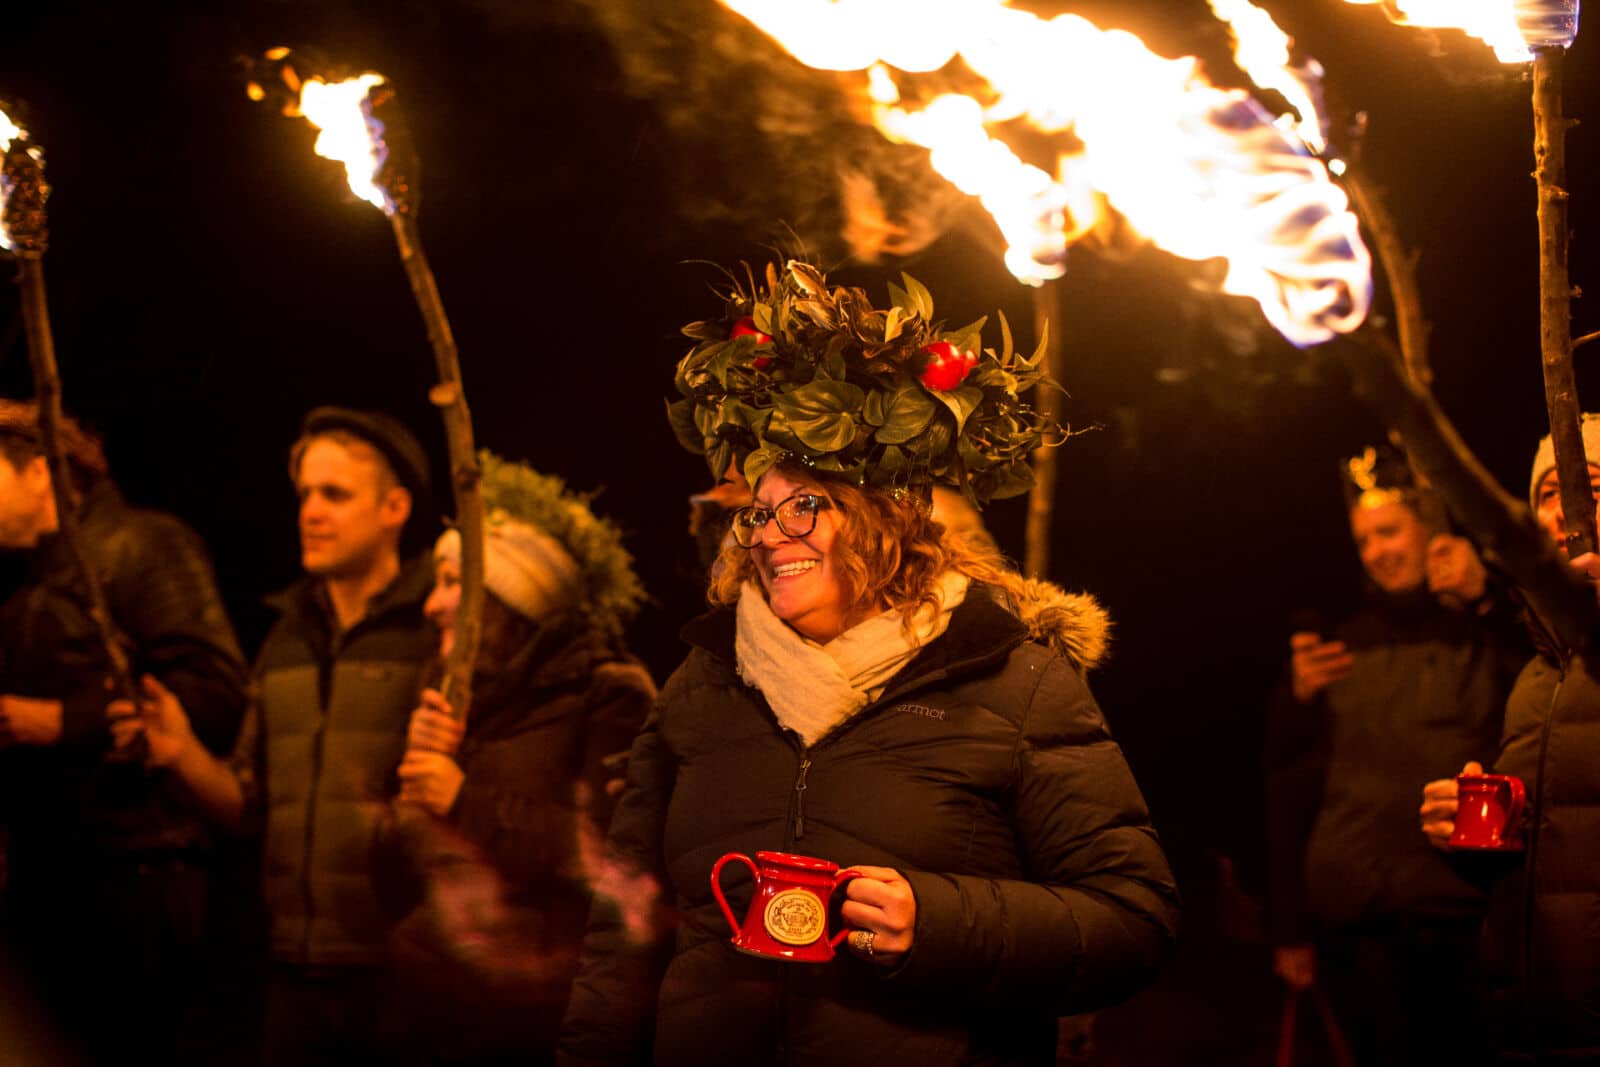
[[873, 690]]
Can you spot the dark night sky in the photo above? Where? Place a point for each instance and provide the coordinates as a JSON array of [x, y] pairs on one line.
[[210, 282]]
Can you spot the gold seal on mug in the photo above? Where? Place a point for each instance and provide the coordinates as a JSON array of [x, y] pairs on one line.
[[794, 917]]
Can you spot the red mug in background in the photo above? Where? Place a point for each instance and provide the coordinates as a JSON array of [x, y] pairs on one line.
[[788, 914], [1489, 812]]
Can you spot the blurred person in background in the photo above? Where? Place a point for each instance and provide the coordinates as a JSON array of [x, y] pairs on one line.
[[489, 949], [1413, 682]]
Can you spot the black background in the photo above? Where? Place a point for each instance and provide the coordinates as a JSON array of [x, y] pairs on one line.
[[210, 281]]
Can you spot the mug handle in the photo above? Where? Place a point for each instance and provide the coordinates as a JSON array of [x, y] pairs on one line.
[[1519, 797], [716, 885], [838, 880]]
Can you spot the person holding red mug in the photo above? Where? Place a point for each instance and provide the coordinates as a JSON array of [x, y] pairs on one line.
[[875, 693], [1409, 684], [1540, 950]]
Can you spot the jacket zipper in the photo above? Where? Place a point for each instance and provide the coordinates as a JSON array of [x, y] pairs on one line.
[[318, 741], [800, 796]]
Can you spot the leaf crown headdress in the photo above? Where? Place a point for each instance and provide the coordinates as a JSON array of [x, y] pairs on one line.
[[515, 491], [795, 371]]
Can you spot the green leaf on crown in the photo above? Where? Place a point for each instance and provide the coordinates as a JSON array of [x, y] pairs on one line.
[[718, 456], [759, 462], [961, 402], [681, 416], [907, 413], [968, 338], [762, 315], [872, 410]]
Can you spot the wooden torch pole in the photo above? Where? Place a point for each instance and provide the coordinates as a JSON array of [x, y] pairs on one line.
[[1555, 301], [25, 223], [397, 179], [1042, 498]]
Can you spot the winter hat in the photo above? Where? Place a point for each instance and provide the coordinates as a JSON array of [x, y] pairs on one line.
[[528, 570], [1544, 460], [546, 550]]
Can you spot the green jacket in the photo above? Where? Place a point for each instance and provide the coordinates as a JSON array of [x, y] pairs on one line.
[[318, 756]]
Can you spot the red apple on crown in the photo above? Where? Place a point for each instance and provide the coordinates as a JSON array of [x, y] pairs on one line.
[[947, 366], [747, 327]]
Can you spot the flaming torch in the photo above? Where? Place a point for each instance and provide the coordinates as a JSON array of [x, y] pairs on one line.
[[361, 127], [1540, 31], [1396, 383], [24, 234], [1139, 144]]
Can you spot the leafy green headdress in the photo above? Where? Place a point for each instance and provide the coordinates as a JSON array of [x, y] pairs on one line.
[[796, 371], [515, 492]]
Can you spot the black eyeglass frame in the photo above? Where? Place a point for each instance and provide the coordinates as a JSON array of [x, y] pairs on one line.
[[742, 526]]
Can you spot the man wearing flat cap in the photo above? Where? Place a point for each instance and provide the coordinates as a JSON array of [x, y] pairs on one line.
[[337, 678], [335, 683]]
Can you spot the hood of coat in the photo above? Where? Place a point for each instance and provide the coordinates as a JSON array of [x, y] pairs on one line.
[[987, 623], [1074, 625]]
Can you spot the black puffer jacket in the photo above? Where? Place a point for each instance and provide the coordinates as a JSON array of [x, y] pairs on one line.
[[1425, 693], [1541, 946], [64, 801], [984, 773]]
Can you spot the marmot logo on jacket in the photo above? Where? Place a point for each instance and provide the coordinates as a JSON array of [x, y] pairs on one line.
[[919, 709]]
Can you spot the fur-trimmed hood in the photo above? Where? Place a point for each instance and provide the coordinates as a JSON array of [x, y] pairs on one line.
[[1072, 624]]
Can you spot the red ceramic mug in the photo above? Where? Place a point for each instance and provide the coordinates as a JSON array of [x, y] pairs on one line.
[[788, 915], [1489, 812]]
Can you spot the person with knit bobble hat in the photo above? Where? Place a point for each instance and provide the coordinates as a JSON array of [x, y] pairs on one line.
[[556, 701], [1540, 946]]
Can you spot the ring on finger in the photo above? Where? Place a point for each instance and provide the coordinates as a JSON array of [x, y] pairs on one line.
[[861, 942]]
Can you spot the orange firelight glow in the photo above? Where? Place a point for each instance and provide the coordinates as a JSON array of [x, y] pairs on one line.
[[1202, 172]]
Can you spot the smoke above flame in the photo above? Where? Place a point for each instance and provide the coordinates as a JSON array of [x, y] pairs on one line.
[[1200, 171]]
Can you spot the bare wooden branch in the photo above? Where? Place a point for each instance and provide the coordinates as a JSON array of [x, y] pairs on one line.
[[47, 391], [398, 177], [25, 222], [1042, 498], [451, 399], [1400, 269], [1555, 301], [1502, 526]]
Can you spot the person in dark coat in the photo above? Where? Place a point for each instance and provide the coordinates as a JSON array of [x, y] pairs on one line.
[[871, 692], [488, 953], [1413, 682], [1540, 949], [108, 873], [334, 685]]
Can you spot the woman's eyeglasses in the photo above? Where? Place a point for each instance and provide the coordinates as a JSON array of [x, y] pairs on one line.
[[796, 516]]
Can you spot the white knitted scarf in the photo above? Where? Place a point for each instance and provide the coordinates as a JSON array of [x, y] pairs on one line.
[[811, 687]]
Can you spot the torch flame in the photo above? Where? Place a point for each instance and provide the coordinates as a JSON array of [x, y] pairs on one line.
[[10, 133], [1261, 50], [350, 134], [1493, 22], [1201, 171]]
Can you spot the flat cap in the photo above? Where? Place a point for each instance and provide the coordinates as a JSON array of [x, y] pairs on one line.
[[385, 433]]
